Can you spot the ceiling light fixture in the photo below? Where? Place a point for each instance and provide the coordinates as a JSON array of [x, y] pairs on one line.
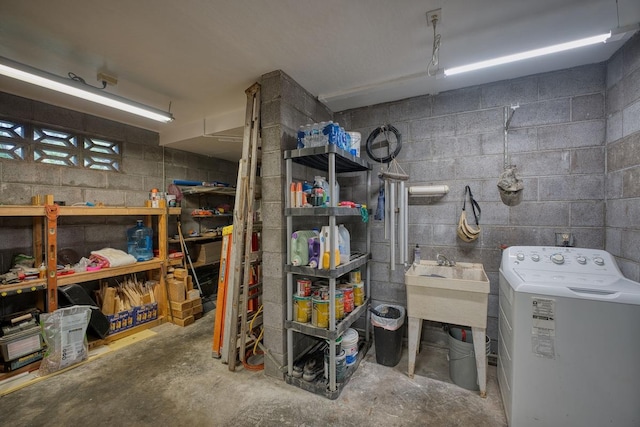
[[79, 89], [611, 36]]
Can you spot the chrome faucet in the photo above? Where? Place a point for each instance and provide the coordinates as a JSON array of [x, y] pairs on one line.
[[443, 260]]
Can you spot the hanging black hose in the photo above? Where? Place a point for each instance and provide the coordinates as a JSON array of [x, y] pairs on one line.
[[374, 134]]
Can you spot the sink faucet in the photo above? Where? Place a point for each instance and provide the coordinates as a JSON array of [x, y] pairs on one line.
[[443, 260]]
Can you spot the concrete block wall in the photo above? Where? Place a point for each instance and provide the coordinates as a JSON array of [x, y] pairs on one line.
[[285, 105], [145, 165], [556, 139], [623, 158]]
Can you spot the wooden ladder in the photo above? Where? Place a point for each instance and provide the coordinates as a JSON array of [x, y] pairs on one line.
[[240, 260]]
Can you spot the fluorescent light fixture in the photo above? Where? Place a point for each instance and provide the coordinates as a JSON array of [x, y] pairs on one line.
[[71, 87], [601, 38]]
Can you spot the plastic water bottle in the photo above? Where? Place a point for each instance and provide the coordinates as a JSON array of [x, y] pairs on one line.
[[416, 254], [140, 242], [301, 136]]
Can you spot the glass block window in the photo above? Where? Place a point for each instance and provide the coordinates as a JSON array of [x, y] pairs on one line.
[[25, 141], [102, 155], [12, 143]]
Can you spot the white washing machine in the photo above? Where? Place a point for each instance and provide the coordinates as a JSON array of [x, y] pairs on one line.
[[569, 351]]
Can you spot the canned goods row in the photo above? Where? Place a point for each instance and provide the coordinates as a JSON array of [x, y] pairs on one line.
[[313, 305]]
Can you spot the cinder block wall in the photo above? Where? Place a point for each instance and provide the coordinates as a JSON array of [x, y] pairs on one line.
[[623, 158], [145, 165], [285, 105], [556, 140]]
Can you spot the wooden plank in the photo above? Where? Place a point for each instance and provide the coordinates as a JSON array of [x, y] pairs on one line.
[[223, 275], [109, 301]]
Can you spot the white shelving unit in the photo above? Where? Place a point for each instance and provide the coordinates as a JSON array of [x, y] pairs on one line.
[[333, 160]]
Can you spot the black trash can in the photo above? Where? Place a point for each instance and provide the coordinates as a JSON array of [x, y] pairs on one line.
[[388, 330]]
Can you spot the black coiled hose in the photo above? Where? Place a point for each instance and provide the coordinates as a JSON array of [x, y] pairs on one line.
[[374, 134]]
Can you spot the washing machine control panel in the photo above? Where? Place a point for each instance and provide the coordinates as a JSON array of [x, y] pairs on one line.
[[560, 258]]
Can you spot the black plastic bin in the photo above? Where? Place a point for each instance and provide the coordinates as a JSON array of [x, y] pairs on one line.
[[388, 333]]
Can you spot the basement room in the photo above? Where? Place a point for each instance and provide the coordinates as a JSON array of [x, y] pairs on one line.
[[320, 213]]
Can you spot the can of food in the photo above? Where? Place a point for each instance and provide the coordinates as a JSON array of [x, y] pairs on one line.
[[321, 293], [355, 276], [301, 309], [320, 313], [347, 291], [304, 287], [358, 294], [339, 305]]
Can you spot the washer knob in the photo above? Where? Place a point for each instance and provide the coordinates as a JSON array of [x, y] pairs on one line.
[[581, 260], [520, 256], [535, 257], [557, 259], [598, 260]]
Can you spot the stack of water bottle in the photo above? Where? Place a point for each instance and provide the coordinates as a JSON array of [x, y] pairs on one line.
[[323, 133]]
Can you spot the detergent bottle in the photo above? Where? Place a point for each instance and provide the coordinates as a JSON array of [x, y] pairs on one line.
[[327, 235], [344, 244], [300, 246]]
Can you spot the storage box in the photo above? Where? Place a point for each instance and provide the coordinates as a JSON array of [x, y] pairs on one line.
[[209, 253], [121, 321], [146, 313]]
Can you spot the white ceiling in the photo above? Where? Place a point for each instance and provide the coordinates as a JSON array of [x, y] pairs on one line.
[[199, 56]]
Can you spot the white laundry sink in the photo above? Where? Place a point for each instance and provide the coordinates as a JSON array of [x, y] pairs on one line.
[[456, 294], [449, 294]]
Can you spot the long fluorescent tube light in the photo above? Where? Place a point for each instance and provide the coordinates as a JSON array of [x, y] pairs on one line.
[[601, 38], [47, 80]]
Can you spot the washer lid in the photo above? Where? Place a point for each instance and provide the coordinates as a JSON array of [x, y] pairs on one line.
[[575, 285]]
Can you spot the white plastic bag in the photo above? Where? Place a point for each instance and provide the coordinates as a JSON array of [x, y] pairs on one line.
[[65, 333], [386, 323]]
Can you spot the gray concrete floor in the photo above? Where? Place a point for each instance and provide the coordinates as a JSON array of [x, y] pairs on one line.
[[170, 379]]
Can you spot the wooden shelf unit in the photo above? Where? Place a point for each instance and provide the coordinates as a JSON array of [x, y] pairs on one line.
[[45, 229]]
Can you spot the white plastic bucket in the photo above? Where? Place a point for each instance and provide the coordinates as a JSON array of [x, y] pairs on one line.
[[350, 345]]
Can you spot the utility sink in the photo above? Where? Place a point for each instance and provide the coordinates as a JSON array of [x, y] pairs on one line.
[[456, 294], [463, 276]]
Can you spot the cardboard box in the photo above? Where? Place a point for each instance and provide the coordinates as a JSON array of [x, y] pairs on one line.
[[209, 252], [121, 321], [146, 313]]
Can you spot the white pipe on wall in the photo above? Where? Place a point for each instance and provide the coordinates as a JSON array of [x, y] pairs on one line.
[[428, 190]]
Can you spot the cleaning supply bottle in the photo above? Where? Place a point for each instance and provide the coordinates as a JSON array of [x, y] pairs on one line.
[[416, 254], [140, 242], [344, 244], [328, 234]]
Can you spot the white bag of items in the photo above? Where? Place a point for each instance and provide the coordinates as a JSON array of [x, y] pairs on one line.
[[65, 333]]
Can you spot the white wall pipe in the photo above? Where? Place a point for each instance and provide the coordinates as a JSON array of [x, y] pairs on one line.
[[428, 190]]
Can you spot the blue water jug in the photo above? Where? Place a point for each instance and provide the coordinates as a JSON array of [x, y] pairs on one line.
[[140, 242]]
